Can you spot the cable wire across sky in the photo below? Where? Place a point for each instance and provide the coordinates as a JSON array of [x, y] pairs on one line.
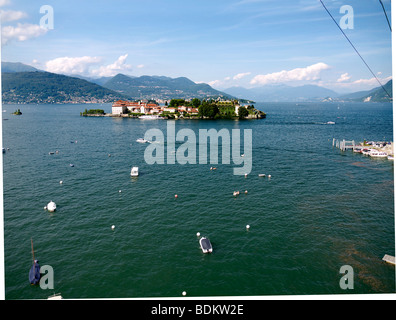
[[350, 42]]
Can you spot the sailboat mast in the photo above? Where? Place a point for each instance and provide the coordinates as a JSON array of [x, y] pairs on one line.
[[31, 241]]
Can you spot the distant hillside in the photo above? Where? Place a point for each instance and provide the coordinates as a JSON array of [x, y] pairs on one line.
[[16, 67], [45, 87], [160, 87], [379, 95], [374, 95], [356, 95], [283, 93]]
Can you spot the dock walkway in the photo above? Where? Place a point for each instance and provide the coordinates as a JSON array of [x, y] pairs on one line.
[[389, 259]]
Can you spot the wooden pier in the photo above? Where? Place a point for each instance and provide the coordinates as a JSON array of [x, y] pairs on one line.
[[344, 144], [389, 259]]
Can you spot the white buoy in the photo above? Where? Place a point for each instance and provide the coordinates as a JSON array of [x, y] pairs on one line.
[[198, 234], [248, 227], [184, 293], [119, 191], [245, 191], [45, 208], [61, 182], [51, 206], [113, 227], [245, 175], [175, 195], [269, 176]]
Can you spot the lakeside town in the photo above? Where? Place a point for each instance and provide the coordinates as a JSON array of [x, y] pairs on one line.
[[180, 108]]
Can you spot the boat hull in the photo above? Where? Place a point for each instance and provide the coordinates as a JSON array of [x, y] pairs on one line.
[[205, 244], [134, 172], [34, 274]]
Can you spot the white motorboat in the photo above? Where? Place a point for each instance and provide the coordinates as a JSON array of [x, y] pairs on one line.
[[205, 244], [51, 206], [378, 154], [390, 158], [55, 296], [150, 117], [367, 151], [261, 175], [134, 171], [358, 149], [141, 140], [330, 122]]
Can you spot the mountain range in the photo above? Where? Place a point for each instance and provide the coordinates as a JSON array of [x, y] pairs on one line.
[[25, 84], [306, 93]]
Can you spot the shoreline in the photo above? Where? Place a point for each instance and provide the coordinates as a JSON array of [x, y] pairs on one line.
[[112, 115]]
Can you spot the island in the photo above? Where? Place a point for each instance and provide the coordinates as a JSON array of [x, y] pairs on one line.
[[92, 112], [181, 109]]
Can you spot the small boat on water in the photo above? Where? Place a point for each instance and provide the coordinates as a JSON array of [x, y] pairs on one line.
[[367, 151], [51, 206], [261, 175], [358, 149], [205, 244], [390, 157], [141, 140], [330, 122], [150, 117], [134, 171], [34, 272]]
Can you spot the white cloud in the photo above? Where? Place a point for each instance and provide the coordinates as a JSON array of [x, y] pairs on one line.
[[71, 65], [241, 75], [358, 85], [308, 73], [4, 2], [215, 83], [344, 77], [21, 32], [112, 69], [140, 66], [87, 65], [372, 81], [11, 15]]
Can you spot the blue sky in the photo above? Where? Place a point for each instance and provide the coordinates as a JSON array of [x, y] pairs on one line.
[[225, 43]]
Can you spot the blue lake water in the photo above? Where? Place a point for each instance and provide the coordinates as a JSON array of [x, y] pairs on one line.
[[321, 209]]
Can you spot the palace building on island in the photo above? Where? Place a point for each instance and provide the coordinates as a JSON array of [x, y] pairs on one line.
[[124, 107]]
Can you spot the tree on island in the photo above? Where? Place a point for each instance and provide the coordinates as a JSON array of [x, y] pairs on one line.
[[195, 102], [92, 111], [176, 103], [243, 113], [208, 110]]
